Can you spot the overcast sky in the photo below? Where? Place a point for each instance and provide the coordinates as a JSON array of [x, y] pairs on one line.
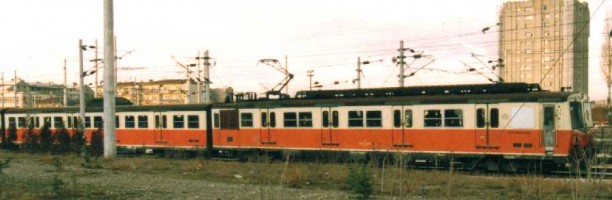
[[320, 35]]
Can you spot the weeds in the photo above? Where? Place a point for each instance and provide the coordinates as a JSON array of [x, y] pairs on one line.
[[4, 164], [359, 181]]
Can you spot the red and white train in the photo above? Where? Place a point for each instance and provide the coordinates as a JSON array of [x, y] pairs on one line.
[[492, 126]]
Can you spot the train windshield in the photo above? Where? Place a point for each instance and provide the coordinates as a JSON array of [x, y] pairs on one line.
[[577, 116]]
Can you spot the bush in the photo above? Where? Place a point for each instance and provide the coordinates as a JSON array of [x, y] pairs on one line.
[[78, 140], [30, 139], [97, 142], [63, 140], [46, 141], [359, 182], [12, 136]]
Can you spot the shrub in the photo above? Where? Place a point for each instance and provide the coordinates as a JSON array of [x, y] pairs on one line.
[[12, 136], [97, 142], [45, 138], [63, 140], [78, 140], [359, 181], [4, 164], [30, 139]]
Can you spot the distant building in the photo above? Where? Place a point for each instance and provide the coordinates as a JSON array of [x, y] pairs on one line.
[[545, 42], [38, 95], [169, 91]]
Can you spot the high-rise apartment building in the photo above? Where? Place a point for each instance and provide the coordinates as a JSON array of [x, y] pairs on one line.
[[545, 42]]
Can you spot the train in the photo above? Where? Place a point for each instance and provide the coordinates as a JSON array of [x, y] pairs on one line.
[[496, 127]]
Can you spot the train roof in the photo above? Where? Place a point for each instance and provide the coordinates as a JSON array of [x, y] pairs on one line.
[[123, 108]]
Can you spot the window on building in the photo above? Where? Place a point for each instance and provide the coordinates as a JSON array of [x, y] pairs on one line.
[[143, 121], [355, 118], [193, 121], [246, 119], [433, 118], [98, 122], [130, 121], [305, 119], [290, 119], [453, 118], [374, 118], [178, 121]]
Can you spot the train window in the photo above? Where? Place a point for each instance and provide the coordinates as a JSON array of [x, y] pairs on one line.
[[117, 121], [246, 119], [143, 121], [229, 119], [75, 121], [433, 118], [408, 117], [216, 120], [335, 119], [69, 124], [193, 121], [12, 122], [161, 124], [264, 119], [325, 119], [130, 121], [35, 121], [355, 118], [98, 123], [58, 122], [179, 121], [373, 118], [576, 115], [21, 122], [397, 118], [272, 119], [87, 122], [453, 118], [47, 121], [290, 119], [305, 119], [494, 117], [480, 118]]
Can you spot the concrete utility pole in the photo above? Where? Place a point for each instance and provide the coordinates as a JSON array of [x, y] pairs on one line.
[[187, 85], [206, 77], [81, 85], [96, 68], [310, 75], [287, 69], [401, 64], [110, 147], [15, 88], [199, 75], [65, 85]]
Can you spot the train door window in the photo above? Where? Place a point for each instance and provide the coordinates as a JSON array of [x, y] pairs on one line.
[[229, 119], [373, 118], [12, 122], [21, 122], [549, 116], [453, 118], [161, 122], [335, 119], [75, 121], [143, 121], [69, 124], [47, 121], [290, 119], [178, 121], [117, 121], [408, 117], [325, 120], [433, 118], [58, 122], [576, 115], [272, 119], [305, 119], [216, 120], [87, 122], [35, 121], [494, 117], [264, 119], [246, 119], [130, 122], [397, 118], [355, 118], [480, 118], [193, 121], [98, 122]]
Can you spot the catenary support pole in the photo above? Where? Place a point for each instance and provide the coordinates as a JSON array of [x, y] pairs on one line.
[[81, 86], [65, 96], [206, 77], [110, 148]]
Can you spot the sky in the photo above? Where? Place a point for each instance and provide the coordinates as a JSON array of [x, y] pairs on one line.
[[320, 35]]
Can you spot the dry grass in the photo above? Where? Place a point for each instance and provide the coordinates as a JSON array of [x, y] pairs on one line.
[[394, 182]]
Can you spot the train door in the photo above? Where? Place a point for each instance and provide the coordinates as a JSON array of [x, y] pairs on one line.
[[487, 120], [402, 121], [161, 123], [330, 122], [548, 127], [268, 122]]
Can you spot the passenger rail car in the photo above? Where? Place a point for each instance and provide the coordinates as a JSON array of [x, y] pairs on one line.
[[495, 126]]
